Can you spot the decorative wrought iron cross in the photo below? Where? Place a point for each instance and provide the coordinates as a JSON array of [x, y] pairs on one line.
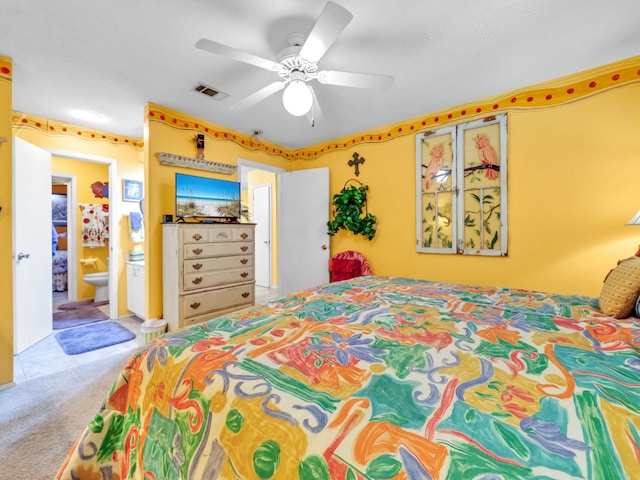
[[357, 160]]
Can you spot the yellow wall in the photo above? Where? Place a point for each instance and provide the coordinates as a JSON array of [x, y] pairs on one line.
[[6, 225], [86, 173], [172, 132], [572, 180]]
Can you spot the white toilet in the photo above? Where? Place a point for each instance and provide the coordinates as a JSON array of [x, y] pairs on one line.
[[101, 282]]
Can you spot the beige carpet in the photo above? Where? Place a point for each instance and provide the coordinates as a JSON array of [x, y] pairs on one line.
[[41, 419]]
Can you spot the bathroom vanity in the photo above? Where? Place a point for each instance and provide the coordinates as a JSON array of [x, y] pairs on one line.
[[135, 288]]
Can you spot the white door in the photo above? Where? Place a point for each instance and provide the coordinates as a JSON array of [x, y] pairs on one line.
[[32, 297], [262, 218], [303, 242]]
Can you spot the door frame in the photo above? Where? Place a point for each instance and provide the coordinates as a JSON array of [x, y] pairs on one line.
[[114, 216], [244, 167]]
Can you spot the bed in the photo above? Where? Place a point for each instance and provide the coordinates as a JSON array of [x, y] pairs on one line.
[[379, 378], [59, 268], [59, 271]]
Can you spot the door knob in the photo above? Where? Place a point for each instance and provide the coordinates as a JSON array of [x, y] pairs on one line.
[[324, 247], [22, 255]]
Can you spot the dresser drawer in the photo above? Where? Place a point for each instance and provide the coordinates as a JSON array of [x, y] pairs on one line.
[[202, 265], [206, 234], [196, 304], [195, 281], [195, 234], [243, 234], [217, 250]]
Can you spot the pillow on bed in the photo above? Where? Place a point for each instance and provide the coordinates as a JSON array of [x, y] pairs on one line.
[[621, 289]]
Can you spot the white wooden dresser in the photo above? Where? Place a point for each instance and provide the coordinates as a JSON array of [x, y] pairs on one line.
[[207, 270]]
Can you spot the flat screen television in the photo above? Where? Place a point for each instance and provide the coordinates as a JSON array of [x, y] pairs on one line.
[[204, 198]]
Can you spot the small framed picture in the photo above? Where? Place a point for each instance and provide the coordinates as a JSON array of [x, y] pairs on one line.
[[131, 190], [59, 208]]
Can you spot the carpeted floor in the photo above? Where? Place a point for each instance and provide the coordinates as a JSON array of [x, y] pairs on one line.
[[93, 337], [41, 419]]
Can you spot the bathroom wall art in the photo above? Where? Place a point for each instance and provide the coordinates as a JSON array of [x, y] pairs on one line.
[[100, 189], [131, 190]]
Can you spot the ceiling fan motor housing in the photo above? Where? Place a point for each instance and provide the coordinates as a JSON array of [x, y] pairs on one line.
[[290, 62]]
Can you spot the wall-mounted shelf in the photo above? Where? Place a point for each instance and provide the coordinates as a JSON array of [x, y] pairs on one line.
[[197, 163]]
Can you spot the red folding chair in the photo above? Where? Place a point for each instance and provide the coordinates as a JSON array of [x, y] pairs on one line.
[[348, 264]]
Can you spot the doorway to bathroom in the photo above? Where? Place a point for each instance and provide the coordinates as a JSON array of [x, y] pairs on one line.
[[92, 183]]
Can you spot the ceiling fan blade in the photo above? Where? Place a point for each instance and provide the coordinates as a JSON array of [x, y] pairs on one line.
[[235, 54], [357, 80], [332, 21], [258, 96], [315, 114]]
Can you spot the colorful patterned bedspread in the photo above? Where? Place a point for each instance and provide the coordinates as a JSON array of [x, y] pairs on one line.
[[379, 378]]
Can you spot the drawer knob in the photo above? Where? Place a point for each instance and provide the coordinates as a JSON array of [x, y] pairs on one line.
[[244, 261], [244, 274], [245, 294], [197, 236], [196, 280], [222, 235], [195, 305], [244, 248], [197, 251], [244, 236], [197, 266]]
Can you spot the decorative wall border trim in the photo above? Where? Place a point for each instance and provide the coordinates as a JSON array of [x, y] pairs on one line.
[[6, 68], [556, 92], [54, 127], [543, 95], [155, 114]]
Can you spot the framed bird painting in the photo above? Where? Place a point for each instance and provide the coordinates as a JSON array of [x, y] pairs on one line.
[[461, 188]]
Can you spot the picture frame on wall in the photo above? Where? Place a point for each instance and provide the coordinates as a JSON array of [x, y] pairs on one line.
[[131, 190], [59, 209]]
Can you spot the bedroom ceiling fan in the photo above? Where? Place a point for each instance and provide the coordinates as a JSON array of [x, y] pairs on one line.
[[298, 64]]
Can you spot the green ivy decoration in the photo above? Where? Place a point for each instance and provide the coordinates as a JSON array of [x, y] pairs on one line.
[[350, 212]]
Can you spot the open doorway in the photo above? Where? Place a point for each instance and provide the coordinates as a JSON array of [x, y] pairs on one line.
[[258, 185], [64, 174], [300, 212], [63, 240]]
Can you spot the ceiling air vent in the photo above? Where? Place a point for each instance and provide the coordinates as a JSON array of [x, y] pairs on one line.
[[210, 92]]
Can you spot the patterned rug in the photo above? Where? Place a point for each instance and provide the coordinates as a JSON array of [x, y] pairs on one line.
[[77, 316], [93, 337]]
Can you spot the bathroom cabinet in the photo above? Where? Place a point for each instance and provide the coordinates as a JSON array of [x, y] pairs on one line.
[[135, 288], [207, 271]]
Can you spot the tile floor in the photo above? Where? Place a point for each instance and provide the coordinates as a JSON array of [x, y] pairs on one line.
[[47, 356]]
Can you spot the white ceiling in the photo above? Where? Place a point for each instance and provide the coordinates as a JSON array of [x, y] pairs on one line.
[[112, 57]]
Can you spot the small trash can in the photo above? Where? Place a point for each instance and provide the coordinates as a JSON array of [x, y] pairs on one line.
[[152, 329]]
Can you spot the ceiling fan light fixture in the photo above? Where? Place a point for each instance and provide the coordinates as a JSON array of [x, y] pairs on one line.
[[297, 98]]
